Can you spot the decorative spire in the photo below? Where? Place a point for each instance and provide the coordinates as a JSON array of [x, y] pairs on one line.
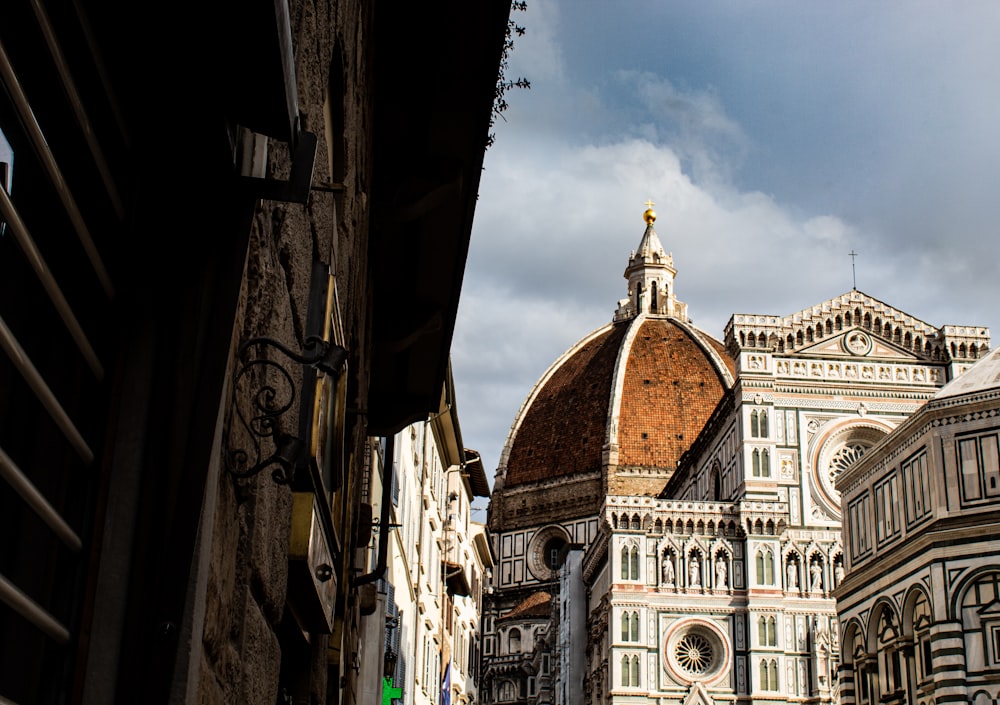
[[650, 273]]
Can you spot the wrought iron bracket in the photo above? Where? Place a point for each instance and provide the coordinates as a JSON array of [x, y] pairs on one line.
[[377, 525], [271, 393]]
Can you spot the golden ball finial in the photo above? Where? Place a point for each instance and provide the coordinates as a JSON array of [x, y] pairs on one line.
[[650, 215]]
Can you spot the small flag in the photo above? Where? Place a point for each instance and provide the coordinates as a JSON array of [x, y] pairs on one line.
[[446, 686]]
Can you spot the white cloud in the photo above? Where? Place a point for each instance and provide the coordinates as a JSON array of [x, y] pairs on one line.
[[873, 127]]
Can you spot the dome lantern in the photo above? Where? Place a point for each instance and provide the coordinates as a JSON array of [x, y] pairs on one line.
[[650, 274]]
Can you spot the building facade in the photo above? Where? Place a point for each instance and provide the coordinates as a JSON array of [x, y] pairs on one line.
[[431, 595], [685, 488], [211, 322], [919, 606]]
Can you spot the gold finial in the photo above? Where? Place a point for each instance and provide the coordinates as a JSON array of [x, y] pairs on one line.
[[650, 215]]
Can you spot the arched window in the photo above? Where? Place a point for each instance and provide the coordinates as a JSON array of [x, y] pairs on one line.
[[765, 463], [626, 671], [756, 462], [625, 563], [630, 626], [765, 566], [653, 300], [514, 641], [634, 563], [922, 637], [889, 666], [772, 683], [766, 632], [754, 424], [764, 673], [636, 524], [862, 684], [635, 671], [763, 424], [506, 691]]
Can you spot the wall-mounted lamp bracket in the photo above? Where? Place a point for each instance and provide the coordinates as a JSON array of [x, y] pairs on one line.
[[296, 188], [377, 525], [270, 392]]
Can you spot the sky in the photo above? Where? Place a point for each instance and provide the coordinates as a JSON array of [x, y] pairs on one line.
[[774, 137]]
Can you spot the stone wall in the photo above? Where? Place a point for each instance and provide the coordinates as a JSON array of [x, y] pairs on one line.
[[248, 655]]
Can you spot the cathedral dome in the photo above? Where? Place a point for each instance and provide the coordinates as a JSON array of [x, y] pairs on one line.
[[626, 401]]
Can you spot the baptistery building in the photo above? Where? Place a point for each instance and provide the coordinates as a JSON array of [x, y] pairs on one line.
[[920, 606], [665, 515]]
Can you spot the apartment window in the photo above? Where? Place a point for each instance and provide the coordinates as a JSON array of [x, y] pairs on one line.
[[916, 488], [979, 462], [886, 514]]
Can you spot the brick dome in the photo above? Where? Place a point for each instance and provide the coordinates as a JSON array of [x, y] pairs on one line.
[[629, 399], [659, 377]]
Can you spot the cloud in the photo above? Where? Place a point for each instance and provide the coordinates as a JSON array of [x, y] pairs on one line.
[[774, 142], [553, 235]]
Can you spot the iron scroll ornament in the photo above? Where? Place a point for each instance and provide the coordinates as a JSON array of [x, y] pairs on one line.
[[274, 396]]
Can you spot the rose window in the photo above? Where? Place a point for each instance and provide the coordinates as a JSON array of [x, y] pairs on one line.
[[844, 458], [694, 653]]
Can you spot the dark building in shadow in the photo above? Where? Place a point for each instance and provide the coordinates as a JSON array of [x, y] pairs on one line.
[[234, 236]]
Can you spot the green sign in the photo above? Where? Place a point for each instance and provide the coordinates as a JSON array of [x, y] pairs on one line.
[[390, 693]]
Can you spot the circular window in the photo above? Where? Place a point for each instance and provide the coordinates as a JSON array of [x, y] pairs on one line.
[[696, 650], [694, 654], [839, 451], [545, 552]]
